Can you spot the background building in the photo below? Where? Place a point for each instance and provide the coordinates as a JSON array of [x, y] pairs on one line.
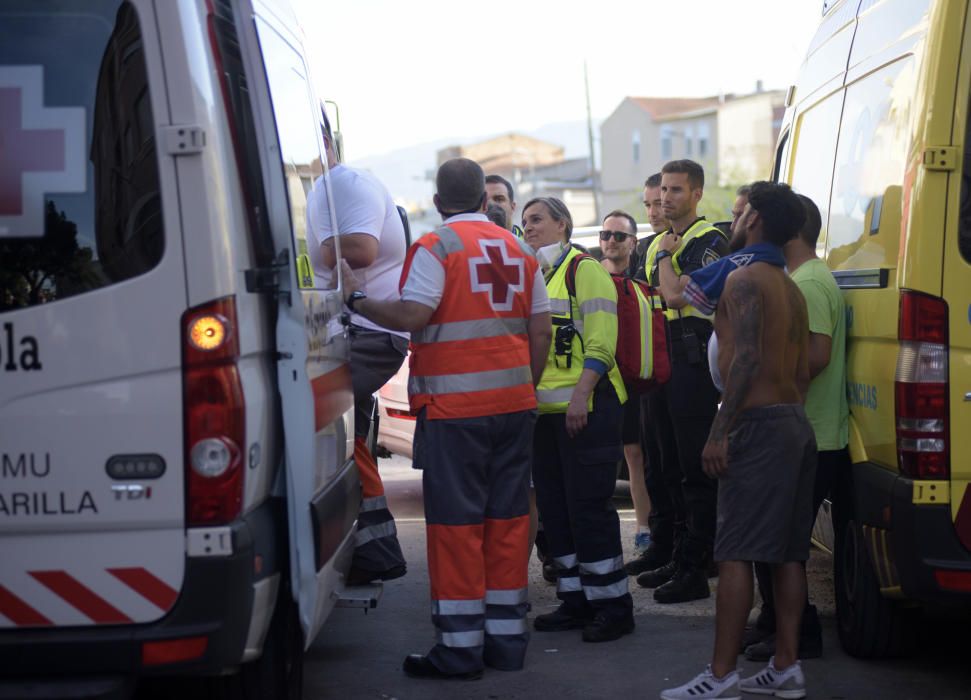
[[732, 136], [536, 168]]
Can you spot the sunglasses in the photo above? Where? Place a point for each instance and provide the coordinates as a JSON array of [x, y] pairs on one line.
[[618, 236]]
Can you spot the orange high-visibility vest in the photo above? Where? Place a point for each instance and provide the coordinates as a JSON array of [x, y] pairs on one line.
[[472, 359]]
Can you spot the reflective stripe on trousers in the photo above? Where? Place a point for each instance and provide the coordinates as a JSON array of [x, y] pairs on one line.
[[506, 633]]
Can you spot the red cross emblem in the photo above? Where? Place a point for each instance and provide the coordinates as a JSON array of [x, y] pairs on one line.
[[497, 274], [41, 150]]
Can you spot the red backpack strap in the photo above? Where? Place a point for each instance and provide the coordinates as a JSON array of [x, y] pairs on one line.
[[571, 273]]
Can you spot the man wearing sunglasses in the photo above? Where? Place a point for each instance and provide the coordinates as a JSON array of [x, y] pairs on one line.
[[618, 238]]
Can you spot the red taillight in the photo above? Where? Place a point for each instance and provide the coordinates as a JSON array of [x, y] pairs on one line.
[[172, 651], [954, 580], [921, 389], [214, 411], [403, 415]]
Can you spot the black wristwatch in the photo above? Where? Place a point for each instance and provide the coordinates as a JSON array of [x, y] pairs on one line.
[[661, 254], [356, 295]]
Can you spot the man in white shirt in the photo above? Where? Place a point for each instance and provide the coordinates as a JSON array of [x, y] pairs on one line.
[[372, 243]]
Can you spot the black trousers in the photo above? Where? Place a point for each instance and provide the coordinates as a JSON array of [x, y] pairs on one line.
[[574, 479], [676, 426]]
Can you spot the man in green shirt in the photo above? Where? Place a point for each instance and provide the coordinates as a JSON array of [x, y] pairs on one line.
[[826, 408]]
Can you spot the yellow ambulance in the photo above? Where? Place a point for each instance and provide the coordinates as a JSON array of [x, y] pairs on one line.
[[877, 134]]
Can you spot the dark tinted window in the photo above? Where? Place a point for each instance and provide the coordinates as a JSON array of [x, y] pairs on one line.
[[79, 191]]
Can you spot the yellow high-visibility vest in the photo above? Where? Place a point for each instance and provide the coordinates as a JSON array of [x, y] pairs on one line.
[[698, 228], [595, 319]]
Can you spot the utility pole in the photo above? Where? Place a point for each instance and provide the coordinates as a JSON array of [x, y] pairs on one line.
[[593, 166]]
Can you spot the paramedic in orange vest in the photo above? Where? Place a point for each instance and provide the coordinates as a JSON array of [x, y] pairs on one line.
[[474, 300]]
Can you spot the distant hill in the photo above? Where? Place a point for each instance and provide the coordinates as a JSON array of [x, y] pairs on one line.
[[406, 171]]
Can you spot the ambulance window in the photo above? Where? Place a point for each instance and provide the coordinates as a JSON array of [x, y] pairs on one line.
[[864, 222], [815, 146], [777, 172], [298, 129], [79, 200], [964, 225]]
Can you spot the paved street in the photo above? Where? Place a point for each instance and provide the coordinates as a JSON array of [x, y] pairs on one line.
[[359, 656]]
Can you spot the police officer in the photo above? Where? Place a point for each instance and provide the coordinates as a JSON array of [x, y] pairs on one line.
[[577, 441], [667, 509], [682, 411], [500, 192], [474, 300]]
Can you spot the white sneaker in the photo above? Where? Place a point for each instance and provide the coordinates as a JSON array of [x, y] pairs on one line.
[[787, 683], [705, 685]]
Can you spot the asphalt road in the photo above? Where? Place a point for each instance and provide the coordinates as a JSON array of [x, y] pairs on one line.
[[359, 656]]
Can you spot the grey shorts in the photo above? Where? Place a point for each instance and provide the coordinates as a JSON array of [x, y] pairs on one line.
[[765, 501]]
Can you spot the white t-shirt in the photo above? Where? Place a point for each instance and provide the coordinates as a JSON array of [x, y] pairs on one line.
[[426, 276], [363, 206]]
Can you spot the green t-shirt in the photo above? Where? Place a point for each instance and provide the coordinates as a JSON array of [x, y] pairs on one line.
[[826, 404]]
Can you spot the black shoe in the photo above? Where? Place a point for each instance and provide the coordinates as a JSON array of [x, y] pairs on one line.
[[764, 627], [604, 629], [562, 619], [359, 577], [754, 634], [810, 640], [418, 666], [687, 584], [657, 577], [550, 574], [809, 648], [648, 561]]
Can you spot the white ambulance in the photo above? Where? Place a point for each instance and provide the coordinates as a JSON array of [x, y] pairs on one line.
[[177, 494]]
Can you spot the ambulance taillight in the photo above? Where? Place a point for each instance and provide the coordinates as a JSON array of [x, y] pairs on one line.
[[214, 412], [921, 387]]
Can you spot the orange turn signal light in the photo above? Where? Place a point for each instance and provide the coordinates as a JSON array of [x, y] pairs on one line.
[[208, 332]]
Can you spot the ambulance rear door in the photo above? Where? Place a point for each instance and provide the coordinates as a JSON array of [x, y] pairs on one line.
[[323, 489], [957, 294], [92, 288]]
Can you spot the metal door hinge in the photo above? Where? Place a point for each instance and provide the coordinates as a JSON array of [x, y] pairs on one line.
[[271, 279], [183, 140], [941, 158]]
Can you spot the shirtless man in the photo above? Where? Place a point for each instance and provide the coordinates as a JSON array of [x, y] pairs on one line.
[[761, 446]]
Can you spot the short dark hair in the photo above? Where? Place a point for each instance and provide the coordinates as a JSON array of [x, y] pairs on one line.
[[780, 209], [496, 214], [624, 215], [557, 210], [653, 181], [695, 173], [809, 232], [743, 191], [499, 179], [460, 184]]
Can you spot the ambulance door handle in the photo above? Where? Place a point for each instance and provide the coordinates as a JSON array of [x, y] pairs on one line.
[[967, 397]]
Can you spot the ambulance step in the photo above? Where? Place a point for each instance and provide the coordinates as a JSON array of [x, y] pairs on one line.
[[365, 597]]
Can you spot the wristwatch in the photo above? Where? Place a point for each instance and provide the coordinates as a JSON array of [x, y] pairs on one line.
[[661, 254], [356, 295]]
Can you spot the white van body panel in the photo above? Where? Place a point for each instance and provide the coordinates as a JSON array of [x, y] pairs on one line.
[[109, 384]]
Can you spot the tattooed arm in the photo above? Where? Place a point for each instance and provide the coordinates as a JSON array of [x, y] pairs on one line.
[[742, 303]]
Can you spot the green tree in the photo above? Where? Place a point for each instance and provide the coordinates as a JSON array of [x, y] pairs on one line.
[[38, 270]]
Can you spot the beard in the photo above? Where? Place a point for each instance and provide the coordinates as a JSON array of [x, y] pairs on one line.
[[738, 241]]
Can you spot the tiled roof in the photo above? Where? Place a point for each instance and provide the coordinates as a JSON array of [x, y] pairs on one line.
[[660, 107]]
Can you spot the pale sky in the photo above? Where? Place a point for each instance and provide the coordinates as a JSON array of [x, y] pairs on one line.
[[407, 72]]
